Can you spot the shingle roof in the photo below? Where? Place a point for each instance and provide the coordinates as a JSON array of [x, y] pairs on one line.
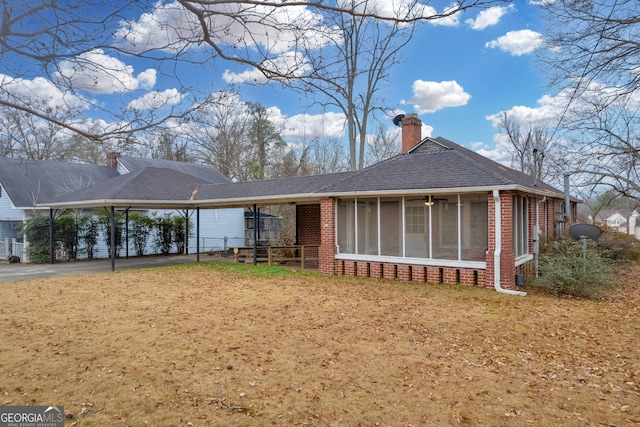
[[146, 184], [433, 165], [28, 182], [203, 172]]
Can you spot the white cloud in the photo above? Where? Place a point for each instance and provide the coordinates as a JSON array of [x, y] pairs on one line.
[[429, 97], [517, 42], [39, 94], [307, 127], [500, 152], [154, 100], [488, 17], [97, 72], [289, 63], [452, 18], [277, 29]]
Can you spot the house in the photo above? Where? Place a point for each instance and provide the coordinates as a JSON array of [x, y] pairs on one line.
[[27, 185], [437, 213], [619, 220]]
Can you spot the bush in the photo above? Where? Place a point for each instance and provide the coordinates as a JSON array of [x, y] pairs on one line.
[[566, 271], [104, 220], [89, 231], [66, 234], [620, 246], [163, 239], [36, 232], [140, 227]]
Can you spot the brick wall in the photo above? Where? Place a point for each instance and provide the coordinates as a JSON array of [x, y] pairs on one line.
[[327, 249], [308, 227]]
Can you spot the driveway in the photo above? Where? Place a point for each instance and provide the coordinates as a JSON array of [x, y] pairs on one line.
[[15, 272]]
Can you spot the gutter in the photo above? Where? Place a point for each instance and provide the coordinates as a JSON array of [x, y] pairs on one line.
[[498, 250]]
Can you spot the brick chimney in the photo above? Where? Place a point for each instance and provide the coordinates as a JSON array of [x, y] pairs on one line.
[[411, 132], [112, 159]]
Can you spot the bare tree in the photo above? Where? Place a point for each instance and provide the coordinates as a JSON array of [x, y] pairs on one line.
[[594, 56], [217, 133], [383, 144], [77, 44], [532, 150]]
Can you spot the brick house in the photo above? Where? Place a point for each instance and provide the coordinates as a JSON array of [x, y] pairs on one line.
[[436, 213]]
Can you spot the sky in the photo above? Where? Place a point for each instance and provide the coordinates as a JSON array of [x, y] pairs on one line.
[[457, 74]]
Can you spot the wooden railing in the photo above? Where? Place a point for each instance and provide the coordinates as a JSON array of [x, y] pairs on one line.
[[274, 255]]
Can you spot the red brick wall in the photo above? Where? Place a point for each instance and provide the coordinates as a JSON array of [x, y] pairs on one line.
[[327, 250], [308, 227]]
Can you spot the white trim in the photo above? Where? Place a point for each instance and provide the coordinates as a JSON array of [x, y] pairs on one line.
[[497, 218], [523, 259], [478, 265]]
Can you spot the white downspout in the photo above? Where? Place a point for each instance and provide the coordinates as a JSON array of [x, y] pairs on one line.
[[536, 235], [498, 250]]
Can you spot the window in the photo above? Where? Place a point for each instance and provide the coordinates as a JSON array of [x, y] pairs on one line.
[[391, 227], [520, 226], [346, 226], [447, 227], [474, 226], [367, 211]]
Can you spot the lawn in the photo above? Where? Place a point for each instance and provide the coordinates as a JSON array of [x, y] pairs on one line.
[[219, 344]]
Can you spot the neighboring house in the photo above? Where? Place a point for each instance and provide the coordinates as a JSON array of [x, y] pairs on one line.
[[27, 185], [613, 219], [437, 213]]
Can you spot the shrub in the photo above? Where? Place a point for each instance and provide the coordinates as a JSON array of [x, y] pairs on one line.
[[180, 233], [36, 232], [620, 246], [66, 234], [88, 234], [140, 228], [104, 220], [163, 239], [575, 270]]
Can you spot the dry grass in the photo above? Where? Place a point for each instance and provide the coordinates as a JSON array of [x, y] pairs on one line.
[[208, 345]]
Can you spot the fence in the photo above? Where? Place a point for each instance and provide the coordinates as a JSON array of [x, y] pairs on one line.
[[13, 247]]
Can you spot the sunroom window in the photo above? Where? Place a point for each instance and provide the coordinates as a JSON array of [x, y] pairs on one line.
[[447, 227], [520, 226]]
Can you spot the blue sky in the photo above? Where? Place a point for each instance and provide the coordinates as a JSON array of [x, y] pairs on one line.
[[456, 75]]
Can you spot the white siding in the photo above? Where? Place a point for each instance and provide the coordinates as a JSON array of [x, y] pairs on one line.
[[8, 212]]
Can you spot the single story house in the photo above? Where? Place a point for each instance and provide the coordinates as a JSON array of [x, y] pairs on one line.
[[436, 213], [27, 185]]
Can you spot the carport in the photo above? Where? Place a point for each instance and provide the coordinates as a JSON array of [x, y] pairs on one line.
[[153, 188]]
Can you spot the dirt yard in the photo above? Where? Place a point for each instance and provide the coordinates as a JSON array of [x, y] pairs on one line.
[[216, 344]]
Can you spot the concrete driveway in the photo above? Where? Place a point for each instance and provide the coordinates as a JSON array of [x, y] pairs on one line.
[[15, 272]]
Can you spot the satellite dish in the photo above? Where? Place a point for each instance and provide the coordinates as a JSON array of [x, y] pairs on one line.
[[585, 231], [397, 119]]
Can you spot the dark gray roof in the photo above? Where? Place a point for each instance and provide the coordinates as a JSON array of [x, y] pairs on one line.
[[146, 184], [204, 172], [434, 165], [28, 182]]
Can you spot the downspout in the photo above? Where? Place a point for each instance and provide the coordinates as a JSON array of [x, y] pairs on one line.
[[536, 237], [498, 250]]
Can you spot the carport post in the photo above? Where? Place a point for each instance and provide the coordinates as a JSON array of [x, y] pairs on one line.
[[51, 225], [126, 233], [113, 238], [197, 234], [255, 234]]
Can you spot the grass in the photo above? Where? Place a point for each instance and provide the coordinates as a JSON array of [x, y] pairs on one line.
[[230, 345]]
